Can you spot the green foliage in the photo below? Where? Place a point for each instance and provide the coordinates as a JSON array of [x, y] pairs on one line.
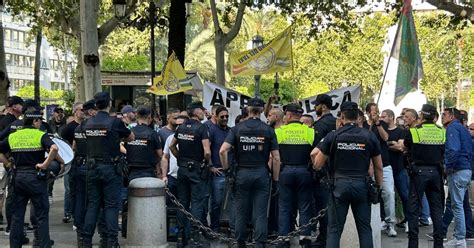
[[137, 62], [63, 98]]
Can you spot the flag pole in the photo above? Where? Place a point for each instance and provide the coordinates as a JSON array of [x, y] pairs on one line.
[[389, 58]]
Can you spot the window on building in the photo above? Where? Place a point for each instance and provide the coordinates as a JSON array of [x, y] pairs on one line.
[[16, 59], [8, 59], [7, 37], [21, 60]]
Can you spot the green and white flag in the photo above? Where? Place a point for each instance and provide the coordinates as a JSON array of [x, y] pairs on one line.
[[406, 51]]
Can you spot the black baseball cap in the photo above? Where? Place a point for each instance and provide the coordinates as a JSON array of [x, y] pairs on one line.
[[220, 109], [428, 110], [59, 110], [13, 100], [195, 105], [323, 99], [102, 97], [256, 102], [28, 103], [349, 106], [88, 105], [294, 108]]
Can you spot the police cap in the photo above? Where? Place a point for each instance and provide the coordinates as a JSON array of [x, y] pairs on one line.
[[294, 108], [256, 102], [143, 111], [102, 97], [59, 110], [28, 103], [33, 114], [349, 106], [195, 105], [428, 110], [88, 105], [13, 100], [323, 99], [128, 109], [220, 109]]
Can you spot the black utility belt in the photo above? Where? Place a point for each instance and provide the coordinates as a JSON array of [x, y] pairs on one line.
[[103, 160], [190, 164], [24, 169], [241, 166], [140, 167], [295, 165]]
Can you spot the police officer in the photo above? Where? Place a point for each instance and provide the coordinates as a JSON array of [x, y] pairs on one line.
[[104, 180], [254, 141], [143, 153], [28, 146], [193, 155], [296, 141], [79, 169], [324, 125], [350, 150], [426, 145]]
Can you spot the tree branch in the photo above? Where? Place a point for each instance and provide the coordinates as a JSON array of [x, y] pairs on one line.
[[105, 29], [458, 10], [238, 22], [215, 17]]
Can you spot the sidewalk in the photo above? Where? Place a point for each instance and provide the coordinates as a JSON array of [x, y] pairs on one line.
[[64, 236]]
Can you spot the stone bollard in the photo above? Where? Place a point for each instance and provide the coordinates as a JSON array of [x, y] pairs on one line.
[[146, 213], [350, 239]]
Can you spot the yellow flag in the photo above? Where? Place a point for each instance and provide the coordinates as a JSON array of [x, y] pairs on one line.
[[275, 56], [172, 80]]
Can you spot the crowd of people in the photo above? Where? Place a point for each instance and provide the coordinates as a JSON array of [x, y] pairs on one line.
[[268, 177]]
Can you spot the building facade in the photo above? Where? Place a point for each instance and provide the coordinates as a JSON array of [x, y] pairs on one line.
[[56, 66]]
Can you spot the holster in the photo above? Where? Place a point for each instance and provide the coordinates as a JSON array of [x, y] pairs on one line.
[[91, 164], [204, 171], [121, 166], [374, 191]]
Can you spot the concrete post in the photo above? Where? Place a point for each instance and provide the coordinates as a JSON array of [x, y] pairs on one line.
[[146, 213], [350, 239]]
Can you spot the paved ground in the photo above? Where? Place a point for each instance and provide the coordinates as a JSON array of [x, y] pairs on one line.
[[64, 236]]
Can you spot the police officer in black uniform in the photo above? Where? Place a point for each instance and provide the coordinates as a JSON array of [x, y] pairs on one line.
[[190, 145], [79, 171], [143, 153], [426, 145], [349, 150], [324, 125], [104, 177], [27, 147], [254, 141]]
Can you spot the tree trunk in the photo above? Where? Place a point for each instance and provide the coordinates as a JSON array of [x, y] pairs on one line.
[[90, 47], [177, 43], [220, 45], [80, 89], [4, 84], [177, 29], [37, 71]]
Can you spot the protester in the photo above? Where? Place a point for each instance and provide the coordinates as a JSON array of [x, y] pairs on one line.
[[57, 121]]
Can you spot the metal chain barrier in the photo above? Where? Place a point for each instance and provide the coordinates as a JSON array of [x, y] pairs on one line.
[[218, 236]]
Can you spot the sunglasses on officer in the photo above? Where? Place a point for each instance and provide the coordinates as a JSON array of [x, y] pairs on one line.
[[222, 117]]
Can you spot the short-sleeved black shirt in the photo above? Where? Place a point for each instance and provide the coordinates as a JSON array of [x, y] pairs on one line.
[[30, 158], [67, 132], [164, 133], [357, 163], [396, 157], [117, 129], [268, 133], [323, 126], [6, 121], [136, 152], [383, 143], [190, 136]]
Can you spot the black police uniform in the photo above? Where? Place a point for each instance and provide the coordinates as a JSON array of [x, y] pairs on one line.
[[104, 181], [192, 174], [253, 141], [27, 147], [141, 152], [324, 125], [426, 145], [350, 150]]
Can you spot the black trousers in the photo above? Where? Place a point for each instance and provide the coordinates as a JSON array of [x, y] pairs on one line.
[[426, 180], [27, 186]]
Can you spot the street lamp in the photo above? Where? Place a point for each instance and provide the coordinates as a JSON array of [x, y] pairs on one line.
[[139, 23], [257, 41]]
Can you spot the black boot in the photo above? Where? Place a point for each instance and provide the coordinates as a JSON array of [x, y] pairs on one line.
[[305, 243], [80, 241]]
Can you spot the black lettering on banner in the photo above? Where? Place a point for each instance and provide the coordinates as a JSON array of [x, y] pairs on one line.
[[217, 98], [231, 96], [335, 104], [307, 105], [347, 96], [244, 101]]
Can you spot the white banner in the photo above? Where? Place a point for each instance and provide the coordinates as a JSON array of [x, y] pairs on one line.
[[234, 101]]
